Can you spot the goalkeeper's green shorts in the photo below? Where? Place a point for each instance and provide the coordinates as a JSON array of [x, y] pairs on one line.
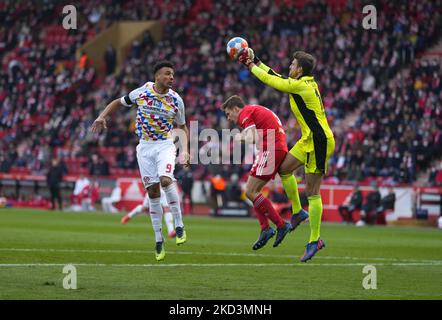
[[314, 153]]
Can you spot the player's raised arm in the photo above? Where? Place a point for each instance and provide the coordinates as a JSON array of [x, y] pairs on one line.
[[267, 75], [278, 82], [262, 65], [126, 101], [100, 122]]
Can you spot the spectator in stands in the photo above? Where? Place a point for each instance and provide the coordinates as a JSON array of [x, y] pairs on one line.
[[5, 164], [54, 178], [104, 166], [98, 166], [107, 203], [126, 158], [387, 202], [233, 190], [435, 177], [84, 60], [110, 58], [369, 209], [185, 177], [372, 81], [351, 203], [93, 196], [80, 197], [218, 191]]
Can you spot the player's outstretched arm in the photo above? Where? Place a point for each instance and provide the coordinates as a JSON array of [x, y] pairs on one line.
[[100, 122], [262, 65], [274, 80], [266, 74], [250, 56]]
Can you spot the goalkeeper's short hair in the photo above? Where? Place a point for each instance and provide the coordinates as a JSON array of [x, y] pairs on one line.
[[306, 61]]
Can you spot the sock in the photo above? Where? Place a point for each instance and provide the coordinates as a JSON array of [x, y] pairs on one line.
[[169, 220], [156, 216], [265, 207], [291, 189], [263, 221], [135, 211], [315, 214], [174, 204]]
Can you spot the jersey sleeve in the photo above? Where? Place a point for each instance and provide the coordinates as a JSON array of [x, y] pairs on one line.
[[269, 70], [276, 81], [129, 99], [180, 117]]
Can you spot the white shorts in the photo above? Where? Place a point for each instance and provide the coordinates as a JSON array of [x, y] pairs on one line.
[[156, 159], [163, 200]]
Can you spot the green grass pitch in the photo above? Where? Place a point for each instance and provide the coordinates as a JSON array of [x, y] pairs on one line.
[[115, 261]]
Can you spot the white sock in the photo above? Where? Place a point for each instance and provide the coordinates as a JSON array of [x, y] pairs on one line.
[[169, 221], [174, 204], [156, 216], [135, 211]]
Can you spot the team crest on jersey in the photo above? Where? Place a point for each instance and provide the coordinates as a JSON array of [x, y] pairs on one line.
[[146, 180]]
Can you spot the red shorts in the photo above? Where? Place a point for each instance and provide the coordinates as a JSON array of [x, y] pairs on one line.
[[267, 164]]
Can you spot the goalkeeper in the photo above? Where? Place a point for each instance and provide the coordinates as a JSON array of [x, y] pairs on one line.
[[316, 144]]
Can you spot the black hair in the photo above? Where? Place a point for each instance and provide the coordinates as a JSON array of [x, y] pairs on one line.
[[306, 61], [162, 64]]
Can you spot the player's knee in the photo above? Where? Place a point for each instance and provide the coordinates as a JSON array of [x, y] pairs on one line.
[[284, 171], [311, 190], [154, 191], [311, 193], [284, 175], [251, 194], [165, 181], [154, 194]]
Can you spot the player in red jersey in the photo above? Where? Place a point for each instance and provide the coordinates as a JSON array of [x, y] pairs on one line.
[[262, 127]]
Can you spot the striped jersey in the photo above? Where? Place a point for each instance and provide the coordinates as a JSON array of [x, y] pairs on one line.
[[156, 112]]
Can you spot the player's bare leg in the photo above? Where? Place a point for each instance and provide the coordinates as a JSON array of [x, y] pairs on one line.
[[288, 166], [170, 189]]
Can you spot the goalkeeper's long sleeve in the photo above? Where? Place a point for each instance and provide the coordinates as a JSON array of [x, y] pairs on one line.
[[271, 78]]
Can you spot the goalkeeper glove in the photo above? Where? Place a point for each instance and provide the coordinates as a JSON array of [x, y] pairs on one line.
[[246, 57], [253, 56]]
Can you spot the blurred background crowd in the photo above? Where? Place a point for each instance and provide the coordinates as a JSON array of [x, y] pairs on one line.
[[383, 103]]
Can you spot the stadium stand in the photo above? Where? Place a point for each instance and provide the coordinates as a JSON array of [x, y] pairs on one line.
[[383, 102]]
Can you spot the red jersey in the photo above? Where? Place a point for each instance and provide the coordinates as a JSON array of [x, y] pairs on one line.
[[265, 121]]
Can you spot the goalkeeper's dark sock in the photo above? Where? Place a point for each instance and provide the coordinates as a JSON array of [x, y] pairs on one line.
[[265, 207]]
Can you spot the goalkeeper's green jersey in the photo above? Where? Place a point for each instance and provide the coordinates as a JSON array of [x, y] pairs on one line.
[[305, 100]]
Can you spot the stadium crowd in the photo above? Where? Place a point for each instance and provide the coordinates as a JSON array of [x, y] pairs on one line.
[[48, 99]]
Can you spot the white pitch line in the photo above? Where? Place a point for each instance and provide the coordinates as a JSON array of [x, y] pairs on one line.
[[210, 265], [215, 254]]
